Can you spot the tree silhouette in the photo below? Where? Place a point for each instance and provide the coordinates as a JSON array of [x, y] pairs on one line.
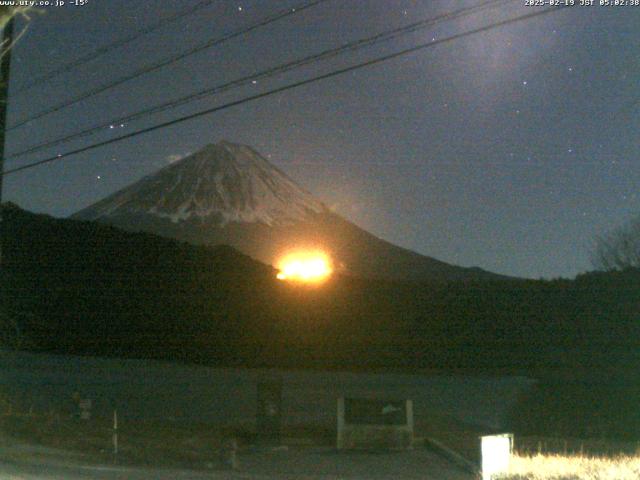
[[619, 249]]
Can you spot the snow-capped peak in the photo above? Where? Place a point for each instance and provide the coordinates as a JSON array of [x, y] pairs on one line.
[[223, 183]]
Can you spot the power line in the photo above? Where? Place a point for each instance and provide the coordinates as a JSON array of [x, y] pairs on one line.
[[290, 86], [114, 45], [282, 68], [168, 61]]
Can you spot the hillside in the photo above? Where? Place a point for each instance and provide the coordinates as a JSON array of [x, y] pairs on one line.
[[87, 288]]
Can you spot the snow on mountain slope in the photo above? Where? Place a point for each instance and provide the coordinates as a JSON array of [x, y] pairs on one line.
[[226, 182], [229, 194]]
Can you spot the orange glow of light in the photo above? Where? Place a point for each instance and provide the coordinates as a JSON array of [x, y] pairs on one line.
[[309, 267]]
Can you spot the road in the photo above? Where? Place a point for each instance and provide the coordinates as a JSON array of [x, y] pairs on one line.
[[308, 463]]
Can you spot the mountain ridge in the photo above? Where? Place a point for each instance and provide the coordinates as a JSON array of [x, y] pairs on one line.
[[210, 182], [228, 193]]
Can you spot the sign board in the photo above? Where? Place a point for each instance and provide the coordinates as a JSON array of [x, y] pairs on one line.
[[496, 454], [365, 423], [359, 411]]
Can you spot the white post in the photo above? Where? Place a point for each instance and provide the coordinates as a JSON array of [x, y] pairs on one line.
[[341, 412], [115, 436], [409, 410]]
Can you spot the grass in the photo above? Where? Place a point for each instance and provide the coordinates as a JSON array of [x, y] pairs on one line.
[[545, 458], [590, 447], [573, 467], [140, 443]]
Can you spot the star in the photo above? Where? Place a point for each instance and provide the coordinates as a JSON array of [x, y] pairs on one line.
[[524, 83], [239, 9], [98, 177]]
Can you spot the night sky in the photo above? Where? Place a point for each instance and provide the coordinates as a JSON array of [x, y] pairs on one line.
[[509, 150]]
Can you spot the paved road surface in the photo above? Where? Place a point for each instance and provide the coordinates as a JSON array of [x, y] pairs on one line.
[[310, 463]]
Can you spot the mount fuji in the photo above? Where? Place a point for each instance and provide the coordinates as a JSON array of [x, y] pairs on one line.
[[228, 193]]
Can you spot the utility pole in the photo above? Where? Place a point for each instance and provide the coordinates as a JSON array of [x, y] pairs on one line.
[[5, 68]]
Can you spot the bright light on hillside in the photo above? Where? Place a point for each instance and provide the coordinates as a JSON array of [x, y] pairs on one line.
[[305, 267]]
